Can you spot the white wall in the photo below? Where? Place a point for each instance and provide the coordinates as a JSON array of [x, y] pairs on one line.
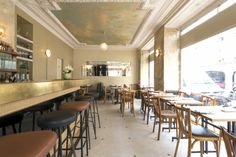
[[82, 55]]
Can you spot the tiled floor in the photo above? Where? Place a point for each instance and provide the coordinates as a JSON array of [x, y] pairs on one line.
[[129, 136]]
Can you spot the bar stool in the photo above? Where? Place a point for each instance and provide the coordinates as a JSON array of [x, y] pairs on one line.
[[95, 95], [81, 108], [57, 121], [41, 108], [11, 120], [93, 98], [27, 144], [91, 113]]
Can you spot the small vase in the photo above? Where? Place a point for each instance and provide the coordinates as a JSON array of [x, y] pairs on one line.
[[67, 76]]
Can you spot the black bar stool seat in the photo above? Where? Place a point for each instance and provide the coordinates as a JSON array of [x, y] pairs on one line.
[[56, 119], [27, 144]]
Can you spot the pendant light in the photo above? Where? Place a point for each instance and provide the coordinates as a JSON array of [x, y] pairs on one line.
[[104, 45]]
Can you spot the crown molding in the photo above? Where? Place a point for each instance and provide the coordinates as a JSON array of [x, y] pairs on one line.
[[33, 9], [149, 45], [159, 16], [110, 48]]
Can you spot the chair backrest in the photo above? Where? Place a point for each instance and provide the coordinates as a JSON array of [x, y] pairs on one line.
[[144, 96], [230, 142], [184, 121], [127, 96], [157, 107], [208, 100]]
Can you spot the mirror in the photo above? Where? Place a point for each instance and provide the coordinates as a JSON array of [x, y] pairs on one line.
[[106, 68]]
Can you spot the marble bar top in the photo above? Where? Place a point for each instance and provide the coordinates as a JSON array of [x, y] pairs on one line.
[[16, 97]]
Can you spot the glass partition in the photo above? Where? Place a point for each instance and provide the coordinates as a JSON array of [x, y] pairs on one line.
[[106, 68]]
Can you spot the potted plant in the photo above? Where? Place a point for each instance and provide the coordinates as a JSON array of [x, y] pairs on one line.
[[67, 72]]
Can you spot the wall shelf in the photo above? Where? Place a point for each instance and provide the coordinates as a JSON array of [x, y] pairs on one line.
[[25, 59], [23, 38], [25, 49]]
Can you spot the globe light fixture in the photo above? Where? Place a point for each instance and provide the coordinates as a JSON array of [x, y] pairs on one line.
[[104, 46]]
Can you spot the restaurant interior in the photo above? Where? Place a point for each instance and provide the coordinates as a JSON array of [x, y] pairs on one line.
[[117, 78]]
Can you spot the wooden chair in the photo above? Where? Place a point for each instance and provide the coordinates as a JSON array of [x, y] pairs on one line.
[[230, 143], [195, 132], [127, 98], [208, 100], [144, 102], [149, 105], [162, 115], [108, 94], [181, 93]]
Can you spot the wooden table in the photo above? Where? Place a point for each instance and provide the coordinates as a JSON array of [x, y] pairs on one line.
[[217, 114]]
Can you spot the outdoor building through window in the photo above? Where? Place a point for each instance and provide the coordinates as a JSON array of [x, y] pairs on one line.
[[209, 66]]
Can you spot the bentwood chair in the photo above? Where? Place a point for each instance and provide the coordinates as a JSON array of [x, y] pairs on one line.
[[149, 105], [230, 143], [108, 94], [195, 132], [144, 102], [127, 98], [208, 100], [162, 115]]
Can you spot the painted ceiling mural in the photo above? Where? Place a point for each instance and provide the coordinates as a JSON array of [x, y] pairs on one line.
[[94, 23]]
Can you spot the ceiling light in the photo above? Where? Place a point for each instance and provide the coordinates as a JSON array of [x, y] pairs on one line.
[[104, 46]]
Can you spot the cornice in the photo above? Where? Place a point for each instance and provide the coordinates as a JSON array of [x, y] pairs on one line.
[[110, 48], [41, 16], [157, 19]]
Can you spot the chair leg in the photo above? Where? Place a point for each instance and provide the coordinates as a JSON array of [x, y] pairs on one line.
[[177, 144], [123, 109], [154, 124], [144, 114], [159, 129], [189, 147], [170, 121], [93, 123], [217, 147], [201, 148], [148, 114], [99, 123]]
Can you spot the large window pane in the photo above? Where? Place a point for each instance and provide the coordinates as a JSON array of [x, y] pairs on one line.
[[210, 65]]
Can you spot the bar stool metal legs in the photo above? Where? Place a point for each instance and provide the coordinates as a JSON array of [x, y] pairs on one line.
[[57, 121]]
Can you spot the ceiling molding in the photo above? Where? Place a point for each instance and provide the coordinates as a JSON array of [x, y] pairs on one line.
[[110, 48], [33, 9], [158, 18], [149, 45], [153, 20]]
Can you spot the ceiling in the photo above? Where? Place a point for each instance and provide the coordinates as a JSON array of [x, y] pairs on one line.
[[94, 23], [127, 23]]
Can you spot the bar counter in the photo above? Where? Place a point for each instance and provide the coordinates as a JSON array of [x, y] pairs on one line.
[[18, 96]]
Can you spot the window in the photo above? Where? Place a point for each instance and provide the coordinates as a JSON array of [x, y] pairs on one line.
[[209, 66], [209, 15]]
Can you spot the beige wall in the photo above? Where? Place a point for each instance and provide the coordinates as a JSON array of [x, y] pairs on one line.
[[7, 20], [44, 39], [159, 61], [81, 56], [171, 59], [167, 67], [144, 68]]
